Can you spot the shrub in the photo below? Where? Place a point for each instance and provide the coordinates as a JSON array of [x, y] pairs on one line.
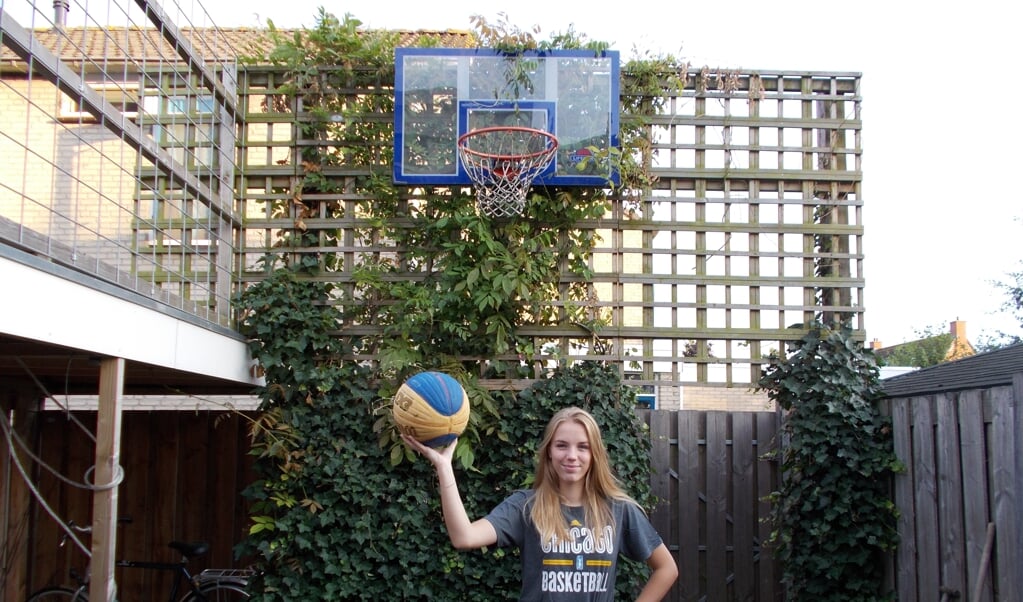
[[833, 515]]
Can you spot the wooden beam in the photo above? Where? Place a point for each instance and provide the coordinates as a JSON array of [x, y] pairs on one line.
[[108, 469]]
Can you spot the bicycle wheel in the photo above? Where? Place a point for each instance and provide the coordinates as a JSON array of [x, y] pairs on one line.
[[59, 594], [218, 592]]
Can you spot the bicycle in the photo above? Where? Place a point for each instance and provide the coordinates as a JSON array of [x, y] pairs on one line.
[[210, 585]]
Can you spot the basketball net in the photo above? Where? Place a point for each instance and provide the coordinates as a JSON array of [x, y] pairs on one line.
[[502, 162]]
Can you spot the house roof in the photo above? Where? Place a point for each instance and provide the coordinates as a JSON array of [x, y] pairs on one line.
[[148, 44], [989, 369], [957, 347]]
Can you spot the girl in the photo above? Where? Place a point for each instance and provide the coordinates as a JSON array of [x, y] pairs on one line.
[[570, 527]]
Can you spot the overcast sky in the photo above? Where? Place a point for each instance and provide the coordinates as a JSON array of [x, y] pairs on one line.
[[941, 126]]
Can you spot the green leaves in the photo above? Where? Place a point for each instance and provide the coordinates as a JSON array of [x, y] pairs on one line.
[[833, 515], [340, 511]]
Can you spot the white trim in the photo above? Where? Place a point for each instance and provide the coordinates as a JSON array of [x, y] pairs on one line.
[[116, 93], [43, 307]]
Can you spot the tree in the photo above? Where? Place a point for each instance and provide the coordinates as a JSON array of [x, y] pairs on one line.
[[1012, 287], [929, 349], [1015, 292]]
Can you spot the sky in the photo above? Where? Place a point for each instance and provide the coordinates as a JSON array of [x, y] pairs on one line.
[[943, 212]]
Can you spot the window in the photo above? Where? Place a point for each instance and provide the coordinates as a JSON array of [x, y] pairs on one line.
[[122, 96], [185, 127], [181, 105], [647, 401]]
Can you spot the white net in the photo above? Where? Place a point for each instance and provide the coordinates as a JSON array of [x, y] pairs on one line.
[[503, 162]]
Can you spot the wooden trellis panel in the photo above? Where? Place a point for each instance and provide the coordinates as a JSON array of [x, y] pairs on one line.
[[754, 224]]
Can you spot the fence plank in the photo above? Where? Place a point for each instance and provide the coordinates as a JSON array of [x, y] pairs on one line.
[[660, 471], [950, 494], [925, 500], [139, 472], [661, 482], [743, 506], [974, 484], [1004, 453], [226, 473], [48, 563], [717, 506], [767, 570], [194, 460], [689, 522], [21, 420], [1015, 540], [164, 515], [902, 428]]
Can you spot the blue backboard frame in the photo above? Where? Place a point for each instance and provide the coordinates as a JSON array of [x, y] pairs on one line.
[[436, 88]]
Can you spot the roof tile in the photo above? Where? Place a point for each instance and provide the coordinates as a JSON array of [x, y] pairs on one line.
[[137, 44]]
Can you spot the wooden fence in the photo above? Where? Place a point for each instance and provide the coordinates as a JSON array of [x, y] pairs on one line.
[[961, 496], [183, 475], [709, 469], [186, 470]]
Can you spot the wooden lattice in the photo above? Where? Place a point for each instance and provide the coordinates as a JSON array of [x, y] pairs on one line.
[[753, 227]]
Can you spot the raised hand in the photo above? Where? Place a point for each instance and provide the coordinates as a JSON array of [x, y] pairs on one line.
[[437, 457]]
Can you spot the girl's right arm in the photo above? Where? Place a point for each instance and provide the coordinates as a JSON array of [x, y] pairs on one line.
[[464, 534]]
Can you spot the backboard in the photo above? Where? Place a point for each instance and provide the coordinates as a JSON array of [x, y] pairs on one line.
[[442, 93]]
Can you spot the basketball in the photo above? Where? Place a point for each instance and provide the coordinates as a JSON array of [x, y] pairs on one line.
[[432, 408]]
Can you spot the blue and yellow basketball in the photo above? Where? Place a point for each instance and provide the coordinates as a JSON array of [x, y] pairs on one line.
[[431, 407]]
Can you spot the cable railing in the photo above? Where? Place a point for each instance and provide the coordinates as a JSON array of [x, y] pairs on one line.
[[118, 132]]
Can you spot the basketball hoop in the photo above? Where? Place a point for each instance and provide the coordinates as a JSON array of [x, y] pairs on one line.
[[503, 162]]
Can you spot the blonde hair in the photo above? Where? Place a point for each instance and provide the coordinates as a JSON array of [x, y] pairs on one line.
[[600, 486]]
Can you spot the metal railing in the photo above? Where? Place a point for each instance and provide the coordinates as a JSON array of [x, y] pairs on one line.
[[119, 151]]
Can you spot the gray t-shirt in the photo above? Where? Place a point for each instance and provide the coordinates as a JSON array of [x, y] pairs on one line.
[[580, 570]]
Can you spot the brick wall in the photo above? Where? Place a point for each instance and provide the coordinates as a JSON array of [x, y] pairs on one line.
[[214, 403], [76, 185], [726, 399]]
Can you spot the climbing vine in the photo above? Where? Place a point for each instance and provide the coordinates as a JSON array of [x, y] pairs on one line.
[[833, 516]]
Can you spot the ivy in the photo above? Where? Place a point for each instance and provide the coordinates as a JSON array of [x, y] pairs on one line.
[[464, 285], [833, 516], [336, 517]]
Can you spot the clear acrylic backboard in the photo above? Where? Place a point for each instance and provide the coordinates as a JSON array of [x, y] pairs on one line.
[[443, 93]]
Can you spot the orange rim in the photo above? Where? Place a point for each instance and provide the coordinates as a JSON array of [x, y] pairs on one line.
[[552, 141]]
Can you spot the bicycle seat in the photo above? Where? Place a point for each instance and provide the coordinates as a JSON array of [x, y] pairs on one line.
[[190, 549]]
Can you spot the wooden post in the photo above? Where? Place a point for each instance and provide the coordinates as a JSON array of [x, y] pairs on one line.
[[108, 452]]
